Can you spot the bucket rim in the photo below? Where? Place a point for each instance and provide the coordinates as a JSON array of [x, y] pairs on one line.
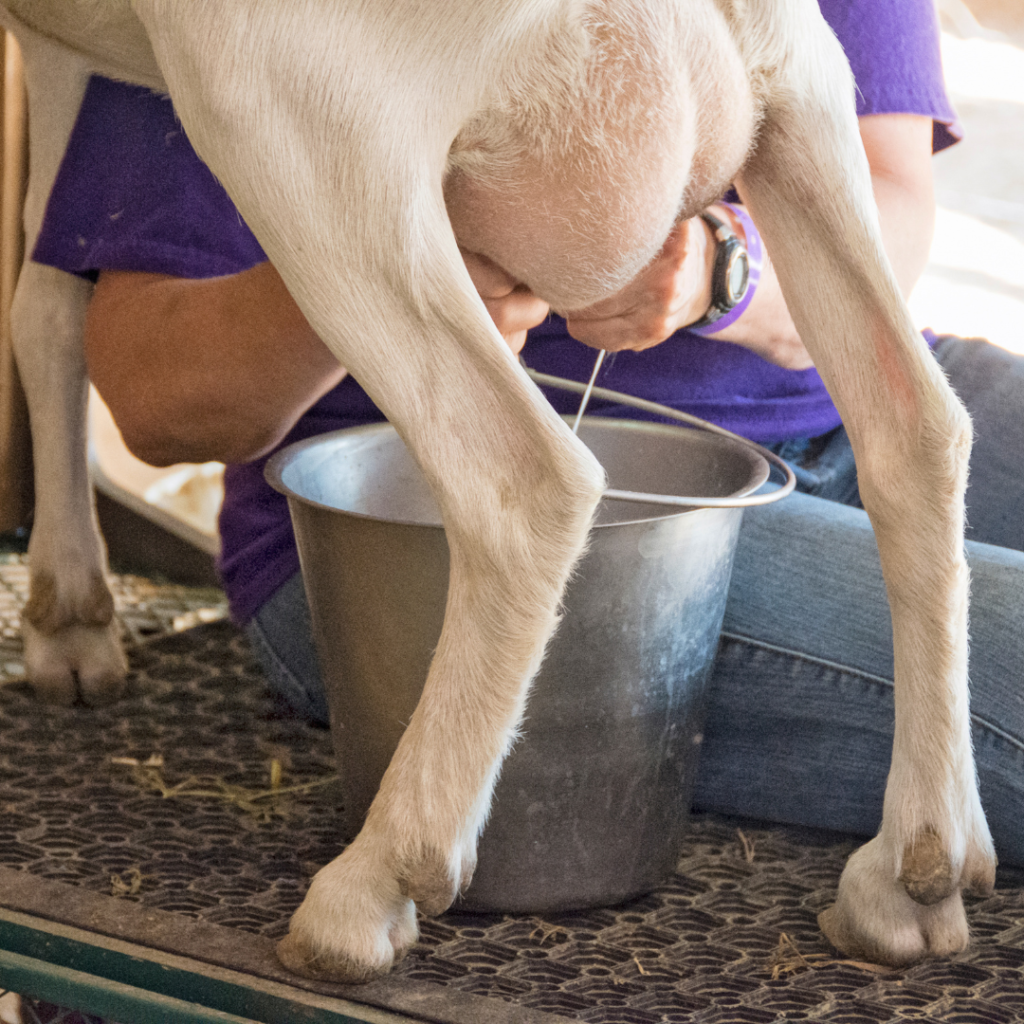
[[760, 470]]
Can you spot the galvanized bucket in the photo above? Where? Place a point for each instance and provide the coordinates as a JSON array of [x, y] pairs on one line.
[[592, 802]]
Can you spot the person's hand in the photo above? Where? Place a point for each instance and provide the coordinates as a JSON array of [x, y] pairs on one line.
[[513, 307], [674, 291], [670, 292]]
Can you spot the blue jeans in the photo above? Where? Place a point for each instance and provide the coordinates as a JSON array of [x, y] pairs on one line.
[[800, 722]]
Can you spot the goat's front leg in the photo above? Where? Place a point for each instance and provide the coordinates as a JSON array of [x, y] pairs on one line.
[[517, 496], [809, 189], [71, 638], [345, 194]]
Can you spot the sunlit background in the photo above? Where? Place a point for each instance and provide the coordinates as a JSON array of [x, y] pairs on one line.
[[974, 283]]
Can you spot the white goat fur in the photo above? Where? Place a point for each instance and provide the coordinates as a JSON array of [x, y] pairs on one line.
[[561, 138]]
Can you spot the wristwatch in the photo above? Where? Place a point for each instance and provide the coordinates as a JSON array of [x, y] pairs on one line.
[[730, 276]]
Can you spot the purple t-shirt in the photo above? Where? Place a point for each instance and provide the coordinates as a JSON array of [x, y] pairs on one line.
[[132, 195]]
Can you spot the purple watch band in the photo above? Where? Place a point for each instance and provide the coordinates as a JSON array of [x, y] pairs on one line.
[[755, 255]]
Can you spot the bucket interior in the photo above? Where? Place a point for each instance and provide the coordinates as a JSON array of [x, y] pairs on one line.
[[369, 471]]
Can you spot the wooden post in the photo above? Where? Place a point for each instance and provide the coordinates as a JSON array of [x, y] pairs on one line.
[[15, 441]]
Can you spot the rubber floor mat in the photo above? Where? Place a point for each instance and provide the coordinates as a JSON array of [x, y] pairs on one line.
[[200, 798]]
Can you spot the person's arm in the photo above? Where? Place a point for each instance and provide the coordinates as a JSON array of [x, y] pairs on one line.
[[675, 289], [195, 370], [222, 368]]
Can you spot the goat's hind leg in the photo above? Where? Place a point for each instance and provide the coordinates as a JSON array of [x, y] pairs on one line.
[[72, 642], [809, 189]]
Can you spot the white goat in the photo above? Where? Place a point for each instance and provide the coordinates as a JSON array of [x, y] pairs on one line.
[[561, 138]]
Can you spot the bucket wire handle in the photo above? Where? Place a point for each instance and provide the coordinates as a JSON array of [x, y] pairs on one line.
[[589, 391], [611, 494]]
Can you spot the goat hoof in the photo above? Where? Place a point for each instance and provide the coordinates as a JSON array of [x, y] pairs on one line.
[[77, 661], [300, 959], [353, 924], [875, 919]]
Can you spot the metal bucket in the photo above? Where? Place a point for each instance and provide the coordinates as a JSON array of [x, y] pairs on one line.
[[592, 802]]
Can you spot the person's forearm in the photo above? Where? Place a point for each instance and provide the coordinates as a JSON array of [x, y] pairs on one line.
[[195, 370], [899, 149], [766, 326]]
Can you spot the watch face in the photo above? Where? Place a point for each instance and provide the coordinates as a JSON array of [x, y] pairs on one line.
[[737, 275]]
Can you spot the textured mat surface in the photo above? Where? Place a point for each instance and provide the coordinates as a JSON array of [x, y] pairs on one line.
[[88, 799], [145, 608]]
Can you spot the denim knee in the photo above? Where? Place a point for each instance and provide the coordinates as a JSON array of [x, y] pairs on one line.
[[281, 636]]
